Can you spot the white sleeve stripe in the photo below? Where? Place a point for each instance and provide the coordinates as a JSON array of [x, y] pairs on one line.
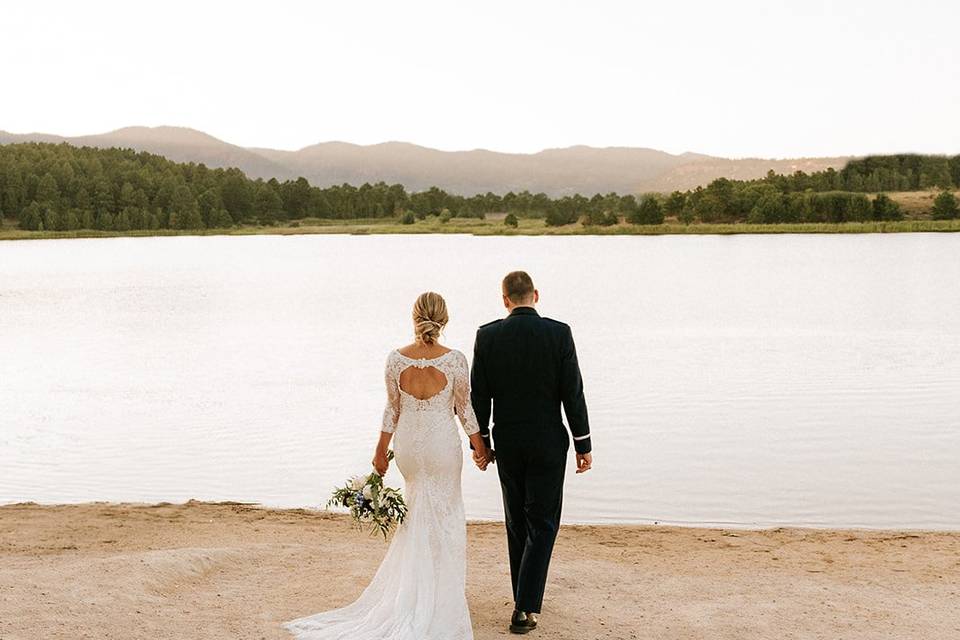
[[578, 438]]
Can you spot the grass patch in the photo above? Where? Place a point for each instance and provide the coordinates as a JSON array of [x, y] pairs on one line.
[[527, 227]]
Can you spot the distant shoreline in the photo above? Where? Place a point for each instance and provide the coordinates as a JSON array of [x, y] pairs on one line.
[[527, 227], [328, 513]]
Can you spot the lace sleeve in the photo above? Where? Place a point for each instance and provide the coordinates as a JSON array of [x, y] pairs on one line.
[[461, 396], [391, 413]]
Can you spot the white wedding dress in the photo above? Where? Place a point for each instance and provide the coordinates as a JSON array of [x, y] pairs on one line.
[[418, 593]]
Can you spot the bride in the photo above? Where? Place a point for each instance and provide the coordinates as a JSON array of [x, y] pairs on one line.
[[418, 593]]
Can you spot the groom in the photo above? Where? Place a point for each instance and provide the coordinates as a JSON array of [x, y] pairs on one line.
[[527, 366]]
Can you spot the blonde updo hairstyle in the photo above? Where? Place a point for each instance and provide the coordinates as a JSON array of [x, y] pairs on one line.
[[429, 317]]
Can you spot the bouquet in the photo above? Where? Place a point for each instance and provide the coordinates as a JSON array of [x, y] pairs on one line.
[[371, 502]]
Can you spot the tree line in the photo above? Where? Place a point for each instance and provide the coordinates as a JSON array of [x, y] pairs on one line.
[[874, 174], [822, 196], [47, 186], [63, 187], [760, 202]]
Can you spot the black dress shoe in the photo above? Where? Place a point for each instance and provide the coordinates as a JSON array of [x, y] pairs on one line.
[[523, 622]]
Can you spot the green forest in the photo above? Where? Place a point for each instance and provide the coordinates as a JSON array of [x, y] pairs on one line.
[[824, 196], [63, 187]]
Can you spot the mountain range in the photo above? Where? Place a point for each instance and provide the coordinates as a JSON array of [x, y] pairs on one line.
[[556, 172]]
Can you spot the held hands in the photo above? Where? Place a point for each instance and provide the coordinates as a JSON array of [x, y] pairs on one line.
[[584, 462], [483, 457]]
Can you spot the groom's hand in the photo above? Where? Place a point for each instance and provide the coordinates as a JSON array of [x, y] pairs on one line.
[[584, 462]]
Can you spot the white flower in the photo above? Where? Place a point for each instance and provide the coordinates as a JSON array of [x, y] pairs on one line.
[[368, 492], [357, 483]]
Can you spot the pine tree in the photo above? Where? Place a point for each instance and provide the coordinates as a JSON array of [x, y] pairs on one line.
[[13, 196], [48, 192], [103, 201], [675, 203], [31, 217], [184, 205], [945, 207], [222, 219], [838, 182], [267, 204], [237, 194], [72, 220], [885, 209], [122, 221], [855, 182], [127, 195], [649, 212], [51, 218], [82, 199], [137, 218], [210, 204], [859, 209], [768, 209], [104, 221]]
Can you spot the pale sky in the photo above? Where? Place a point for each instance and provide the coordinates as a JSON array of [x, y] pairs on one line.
[[766, 78]]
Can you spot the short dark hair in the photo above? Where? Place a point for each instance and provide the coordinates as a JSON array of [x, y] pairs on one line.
[[518, 286]]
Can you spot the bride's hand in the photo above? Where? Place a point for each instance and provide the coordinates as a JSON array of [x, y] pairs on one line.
[[380, 462], [481, 459]]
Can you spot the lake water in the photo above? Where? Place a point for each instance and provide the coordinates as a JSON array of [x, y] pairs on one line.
[[744, 380]]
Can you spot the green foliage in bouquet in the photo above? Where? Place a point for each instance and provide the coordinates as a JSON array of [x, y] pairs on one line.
[[370, 502]]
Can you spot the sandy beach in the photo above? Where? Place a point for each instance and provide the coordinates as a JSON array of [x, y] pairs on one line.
[[202, 570]]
